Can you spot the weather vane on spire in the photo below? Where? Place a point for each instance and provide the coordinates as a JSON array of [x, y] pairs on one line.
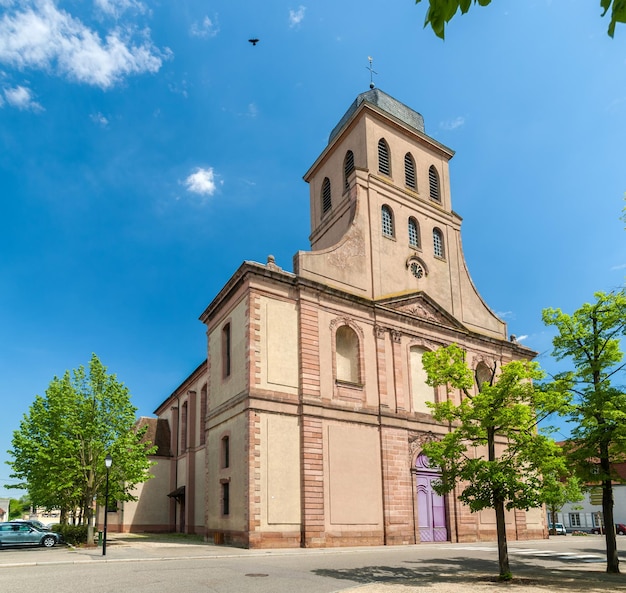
[[372, 71]]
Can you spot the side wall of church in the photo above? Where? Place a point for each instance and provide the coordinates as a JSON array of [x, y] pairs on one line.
[[150, 511], [227, 479]]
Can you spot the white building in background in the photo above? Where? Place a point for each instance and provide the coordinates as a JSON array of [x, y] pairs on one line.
[[584, 516], [4, 509]]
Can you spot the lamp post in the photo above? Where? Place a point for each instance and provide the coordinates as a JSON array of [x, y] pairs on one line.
[[108, 461]]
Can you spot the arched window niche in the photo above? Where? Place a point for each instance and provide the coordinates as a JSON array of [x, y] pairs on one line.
[[347, 355], [421, 392], [348, 360]]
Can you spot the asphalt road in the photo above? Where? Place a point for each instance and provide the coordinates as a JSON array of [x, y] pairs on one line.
[[138, 566]]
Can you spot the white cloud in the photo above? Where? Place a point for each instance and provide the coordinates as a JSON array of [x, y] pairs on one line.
[[206, 28], [505, 314], [179, 89], [99, 119], [21, 98], [296, 16], [44, 37], [202, 182], [452, 124], [115, 8], [619, 267]]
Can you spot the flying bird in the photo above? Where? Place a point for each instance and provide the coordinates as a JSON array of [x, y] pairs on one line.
[[253, 41]]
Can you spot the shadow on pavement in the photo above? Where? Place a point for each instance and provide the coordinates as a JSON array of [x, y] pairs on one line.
[[159, 538], [470, 572]]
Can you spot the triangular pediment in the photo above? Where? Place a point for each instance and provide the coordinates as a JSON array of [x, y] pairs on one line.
[[422, 307]]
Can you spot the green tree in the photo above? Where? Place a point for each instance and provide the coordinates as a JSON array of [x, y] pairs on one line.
[[18, 507], [494, 452], [555, 496], [440, 12], [590, 339], [59, 450]]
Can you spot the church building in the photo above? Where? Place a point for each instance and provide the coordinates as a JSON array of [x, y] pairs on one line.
[[304, 424]]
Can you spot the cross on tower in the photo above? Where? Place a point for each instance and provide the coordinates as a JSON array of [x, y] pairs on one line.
[[372, 71]]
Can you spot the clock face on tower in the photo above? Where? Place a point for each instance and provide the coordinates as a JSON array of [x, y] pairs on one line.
[[416, 270]]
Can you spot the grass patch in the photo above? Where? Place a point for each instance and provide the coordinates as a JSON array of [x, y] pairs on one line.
[[180, 538]]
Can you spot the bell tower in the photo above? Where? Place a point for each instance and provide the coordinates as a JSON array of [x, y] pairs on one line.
[[382, 224]]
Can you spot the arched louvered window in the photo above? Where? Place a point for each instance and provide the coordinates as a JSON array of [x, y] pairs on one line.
[[433, 182], [327, 202], [348, 167], [387, 221], [409, 171], [438, 247], [384, 162], [414, 233]]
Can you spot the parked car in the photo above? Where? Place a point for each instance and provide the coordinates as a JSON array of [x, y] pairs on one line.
[[20, 533], [34, 523], [620, 529], [557, 529]]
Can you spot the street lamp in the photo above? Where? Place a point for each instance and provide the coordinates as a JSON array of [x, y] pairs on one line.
[[108, 461]]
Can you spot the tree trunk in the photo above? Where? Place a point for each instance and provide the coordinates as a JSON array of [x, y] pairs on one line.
[[612, 560], [89, 518], [503, 551], [498, 505]]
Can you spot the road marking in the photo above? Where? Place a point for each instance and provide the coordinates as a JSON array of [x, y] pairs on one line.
[[535, 552]]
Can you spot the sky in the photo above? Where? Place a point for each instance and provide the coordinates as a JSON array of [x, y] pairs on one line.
[[147, 149]]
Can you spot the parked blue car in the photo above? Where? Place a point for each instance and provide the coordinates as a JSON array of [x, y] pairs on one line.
[[21, 533]]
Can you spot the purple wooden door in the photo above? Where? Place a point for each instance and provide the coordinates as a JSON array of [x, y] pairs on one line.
[[431, 509]]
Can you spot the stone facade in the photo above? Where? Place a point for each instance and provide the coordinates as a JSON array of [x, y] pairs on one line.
[[315, 400]]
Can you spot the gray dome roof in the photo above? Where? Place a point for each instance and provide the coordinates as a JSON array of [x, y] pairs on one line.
[[388, 104]]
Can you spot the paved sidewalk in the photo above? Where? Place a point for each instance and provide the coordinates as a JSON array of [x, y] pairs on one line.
[[468, 576]]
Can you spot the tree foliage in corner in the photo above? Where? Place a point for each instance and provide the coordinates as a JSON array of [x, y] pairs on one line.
[[494, 453], [59, 450], [590, 339], [440, 12]]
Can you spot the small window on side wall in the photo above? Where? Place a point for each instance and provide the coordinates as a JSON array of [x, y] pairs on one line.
[[409, 171], [387, 221], [438, 246], [204, 402], [348, 167], [414, 233], [184, 428], [226, 347], [225, 498], [433, 182], [327, 202], [225, 452], [384, 162]]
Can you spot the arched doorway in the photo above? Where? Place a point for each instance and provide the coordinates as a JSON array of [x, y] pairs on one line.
[[431, 507]]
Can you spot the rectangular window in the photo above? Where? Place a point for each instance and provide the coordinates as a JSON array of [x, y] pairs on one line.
[[183, 429], [225, 452], [203, 411], [226, 350], [225, 498], [574, 519]]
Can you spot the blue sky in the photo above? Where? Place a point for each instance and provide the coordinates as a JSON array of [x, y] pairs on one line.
[[147, 149]]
